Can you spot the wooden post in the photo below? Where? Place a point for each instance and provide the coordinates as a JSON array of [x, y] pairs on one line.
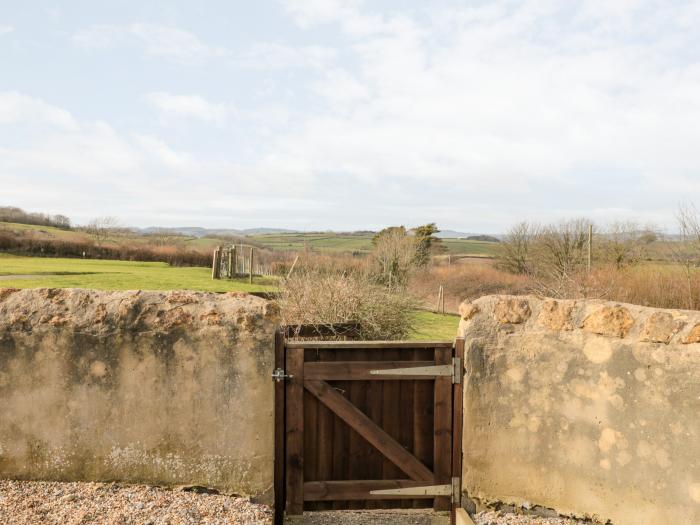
[[216, 263], [590, 247], [295, 432], [457, 424], [442, 429], [293, 265], [229, 273], [440, 300], [250, 263], [279, 428]]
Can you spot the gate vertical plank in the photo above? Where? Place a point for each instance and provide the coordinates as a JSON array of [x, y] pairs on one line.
[[295, 432], [357, 446], [458, 419], [423, 419], [341, 437], [374, 460], [311, 435], [442, 463], [391, 422], [325, 442], [406, 414], [279, 429]]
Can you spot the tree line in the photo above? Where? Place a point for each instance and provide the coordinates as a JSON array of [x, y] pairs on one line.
[[18, 215]]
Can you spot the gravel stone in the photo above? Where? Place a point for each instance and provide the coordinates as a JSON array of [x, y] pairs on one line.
[[422, 517], [54, 503], [506, 518]]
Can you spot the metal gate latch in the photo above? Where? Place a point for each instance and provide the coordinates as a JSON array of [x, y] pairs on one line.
[[279, 375]]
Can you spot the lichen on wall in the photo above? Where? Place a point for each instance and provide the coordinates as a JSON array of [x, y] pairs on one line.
[[587, 407], [162, 388]]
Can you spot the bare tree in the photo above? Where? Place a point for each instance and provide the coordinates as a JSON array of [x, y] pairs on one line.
[[100, 228], [514, 250], [622, 243], [686, 251]]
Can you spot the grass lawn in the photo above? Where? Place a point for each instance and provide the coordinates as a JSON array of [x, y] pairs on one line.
[[429, 325], [45, 272]]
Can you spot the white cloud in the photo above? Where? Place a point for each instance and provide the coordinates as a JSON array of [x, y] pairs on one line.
[[157, 40], [94, 169], [5, 29], [311, 12], [512, 99], [193, 106], [270, 55], [16, 108]]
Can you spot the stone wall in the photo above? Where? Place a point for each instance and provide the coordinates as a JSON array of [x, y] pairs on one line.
[[161, 388], [586, 407]]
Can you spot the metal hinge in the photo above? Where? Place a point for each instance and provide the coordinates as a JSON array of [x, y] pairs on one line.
[[430, 490], [454, 370], [279, 375], [453, 490]]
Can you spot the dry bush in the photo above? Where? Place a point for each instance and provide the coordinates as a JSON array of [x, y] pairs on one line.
[[465, 280], [395, 256], [650, 284], [313, 297]]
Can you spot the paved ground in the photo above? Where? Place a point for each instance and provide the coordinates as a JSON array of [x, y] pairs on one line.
[[45, 503]]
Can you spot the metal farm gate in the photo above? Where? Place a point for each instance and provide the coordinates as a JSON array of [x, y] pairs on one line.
[[367, 424]]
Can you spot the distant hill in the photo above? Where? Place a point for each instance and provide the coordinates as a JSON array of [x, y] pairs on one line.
[[452, 234], [484, 238]]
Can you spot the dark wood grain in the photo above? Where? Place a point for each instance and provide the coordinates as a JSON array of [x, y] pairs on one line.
[[364, 426], [442, 432], [295, 432]]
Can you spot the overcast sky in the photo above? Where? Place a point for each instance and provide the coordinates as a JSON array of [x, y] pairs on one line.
[[331, 114]]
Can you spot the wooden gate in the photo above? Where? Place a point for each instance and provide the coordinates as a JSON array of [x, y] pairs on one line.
[[367, 424]]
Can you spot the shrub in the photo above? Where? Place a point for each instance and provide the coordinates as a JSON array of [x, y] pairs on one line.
[[313, 297]]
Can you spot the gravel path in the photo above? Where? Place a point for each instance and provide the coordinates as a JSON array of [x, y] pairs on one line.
[[502, 518], [364, 517], [49, 503], [421, 517]]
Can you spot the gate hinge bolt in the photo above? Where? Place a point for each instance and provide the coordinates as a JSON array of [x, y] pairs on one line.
[[279, 375]]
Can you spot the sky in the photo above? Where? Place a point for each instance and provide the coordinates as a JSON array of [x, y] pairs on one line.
[[347, 115]]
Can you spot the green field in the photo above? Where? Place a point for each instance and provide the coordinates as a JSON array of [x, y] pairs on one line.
[[429, 325], [358, 242], [45, 272]]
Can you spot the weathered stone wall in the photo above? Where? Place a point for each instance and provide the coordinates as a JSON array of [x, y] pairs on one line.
[[162, 388], [586, 407]]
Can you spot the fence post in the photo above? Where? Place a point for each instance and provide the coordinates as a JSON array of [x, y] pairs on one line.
[[216, 263], [251, 265], [590, 247], [292, 268]]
